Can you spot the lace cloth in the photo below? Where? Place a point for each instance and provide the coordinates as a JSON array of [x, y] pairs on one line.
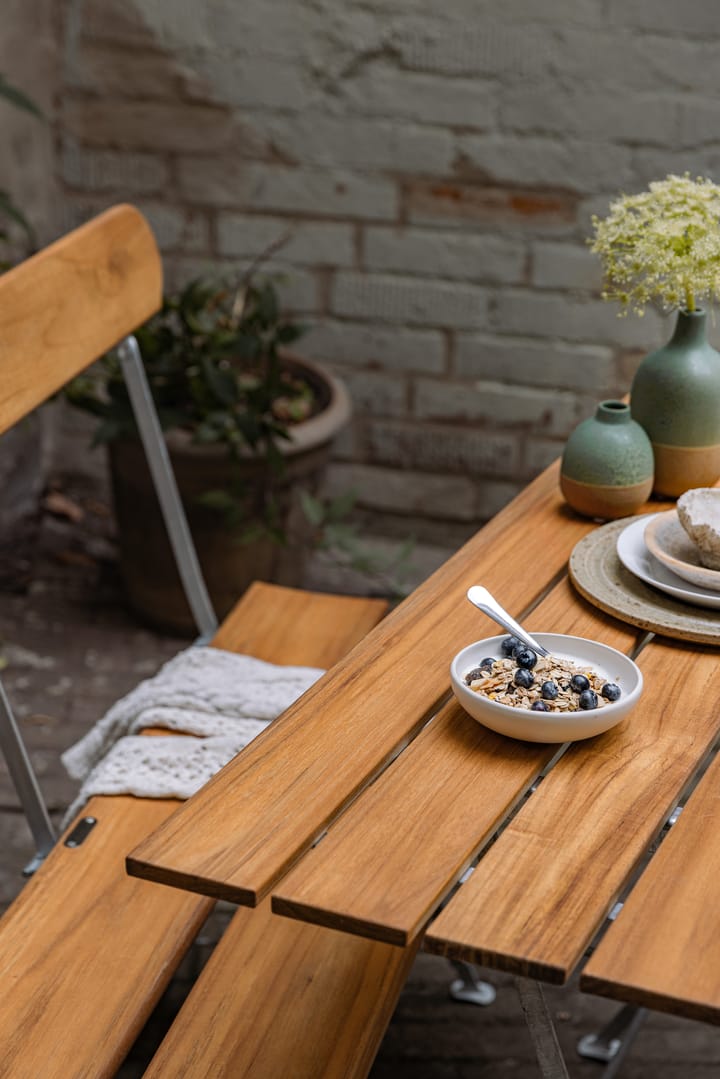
[[223, 699]]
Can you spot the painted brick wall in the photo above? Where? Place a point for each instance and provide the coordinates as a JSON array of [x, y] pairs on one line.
[[434, 168]]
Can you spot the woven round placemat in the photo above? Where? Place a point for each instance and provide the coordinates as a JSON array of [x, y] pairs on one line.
[[599, 576]]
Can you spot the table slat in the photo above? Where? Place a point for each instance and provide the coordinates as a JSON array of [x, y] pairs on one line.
[[663, 951], [393, 856], [247, 827], [536, 900]]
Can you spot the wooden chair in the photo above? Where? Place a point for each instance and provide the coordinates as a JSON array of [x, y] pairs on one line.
[[86, 951]]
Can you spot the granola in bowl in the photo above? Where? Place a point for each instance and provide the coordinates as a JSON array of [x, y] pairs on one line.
[[541, 683]]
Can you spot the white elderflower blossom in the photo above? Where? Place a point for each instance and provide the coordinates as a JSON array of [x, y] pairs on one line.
[[662, 245]]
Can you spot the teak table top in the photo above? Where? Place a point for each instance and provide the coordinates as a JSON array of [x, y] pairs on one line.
[[363, 806]]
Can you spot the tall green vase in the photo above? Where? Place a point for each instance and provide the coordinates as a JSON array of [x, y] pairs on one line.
[[675, 396]]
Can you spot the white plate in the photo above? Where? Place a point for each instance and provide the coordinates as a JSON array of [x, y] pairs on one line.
[[636, 558]]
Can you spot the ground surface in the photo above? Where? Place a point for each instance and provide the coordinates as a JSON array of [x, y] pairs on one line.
[[69, 648]]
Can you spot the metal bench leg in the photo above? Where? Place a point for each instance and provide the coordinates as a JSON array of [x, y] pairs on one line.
[[468, 987], [611, 1044], [542, 1029]]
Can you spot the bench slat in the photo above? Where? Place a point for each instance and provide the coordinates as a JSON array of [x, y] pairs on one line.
[[348, 727], [536, 900], [279, 998], [663, 951], [451, 787], [86, 950]]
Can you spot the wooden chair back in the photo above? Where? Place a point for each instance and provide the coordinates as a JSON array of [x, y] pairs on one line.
[[64, 307]]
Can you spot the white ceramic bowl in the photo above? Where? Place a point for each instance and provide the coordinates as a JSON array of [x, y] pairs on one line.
[[667, 540], [550, 726]]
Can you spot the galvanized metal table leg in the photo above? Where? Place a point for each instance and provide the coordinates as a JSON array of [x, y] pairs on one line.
[[468, 987], [542, 1029], [613, 1042]]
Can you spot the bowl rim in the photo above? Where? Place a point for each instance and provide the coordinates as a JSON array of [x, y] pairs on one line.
[[551, 717], [694, 572]]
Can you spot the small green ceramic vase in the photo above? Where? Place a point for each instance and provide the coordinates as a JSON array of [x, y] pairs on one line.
[[607, 466], [676, 397]]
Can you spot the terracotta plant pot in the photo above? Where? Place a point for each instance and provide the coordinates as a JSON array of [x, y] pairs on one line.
[[229, 561]]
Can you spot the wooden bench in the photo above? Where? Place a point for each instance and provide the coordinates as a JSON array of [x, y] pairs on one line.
[[86, 950]]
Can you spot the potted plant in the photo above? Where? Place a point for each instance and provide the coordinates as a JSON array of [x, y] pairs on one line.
[[248, 428], [662, 246]]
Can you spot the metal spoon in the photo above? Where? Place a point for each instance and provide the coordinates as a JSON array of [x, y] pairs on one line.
[[490, 606]]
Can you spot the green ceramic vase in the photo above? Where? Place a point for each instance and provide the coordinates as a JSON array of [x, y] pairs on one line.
[[676, 397], [607, 466]]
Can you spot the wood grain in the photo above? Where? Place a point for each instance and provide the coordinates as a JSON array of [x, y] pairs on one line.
[[239, 835], [663, 951], [86, 951], [540, 894], [64, 307], [278, 998], [392, 857]]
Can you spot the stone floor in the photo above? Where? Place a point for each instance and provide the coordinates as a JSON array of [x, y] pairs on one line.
[[69, 648]]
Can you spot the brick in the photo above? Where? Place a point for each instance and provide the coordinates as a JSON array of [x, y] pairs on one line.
[[555, 315], [177, 228], [493, 404], [539, 453], [550, 363], [493, 49], [692, 17], [579, 165], [443, 448], [157, 126], [571, 266], [654, 164], [116, 22], [699, 123], [315, 138], [458, 204], [409, 300], [131, 73], [256, 81], [582, 113], [423, 98], [112, 170], [360, 345], [306, 243], [446, 255], [374, 393], [405, 491], [318, 192]]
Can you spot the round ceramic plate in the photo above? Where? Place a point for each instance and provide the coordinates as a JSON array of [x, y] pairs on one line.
[[635, 556], [599, 575], [669, 543]]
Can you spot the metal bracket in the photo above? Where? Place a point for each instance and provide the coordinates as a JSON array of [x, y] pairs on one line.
[[468, 987], [611, 1044]]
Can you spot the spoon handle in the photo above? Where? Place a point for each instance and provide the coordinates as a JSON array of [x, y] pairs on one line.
[[490, 606]]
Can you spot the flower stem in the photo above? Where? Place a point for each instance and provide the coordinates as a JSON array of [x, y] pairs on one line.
[[689, 300]]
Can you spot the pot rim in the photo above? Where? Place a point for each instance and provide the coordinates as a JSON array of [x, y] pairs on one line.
[[307, 435]]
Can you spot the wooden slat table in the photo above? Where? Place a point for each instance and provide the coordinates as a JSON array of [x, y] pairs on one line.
[[363, 807]]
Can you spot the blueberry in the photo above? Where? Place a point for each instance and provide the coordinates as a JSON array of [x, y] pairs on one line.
[[523, 678], [579, 683], [487, 662], [549, 690], [610, 691], [539, 706], [526, 658], [508, 645], [588, 699]]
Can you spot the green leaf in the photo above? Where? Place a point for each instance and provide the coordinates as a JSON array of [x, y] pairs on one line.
[[8, 207], [18, 98], [312, 507], [221, 382]]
